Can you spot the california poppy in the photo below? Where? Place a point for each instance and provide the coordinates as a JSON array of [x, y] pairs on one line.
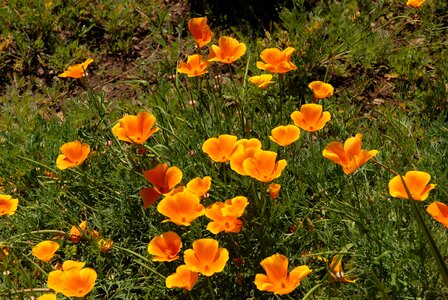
[[73, 154], [310, 117], [196, 65], [163, 178], [227, 51], [219, 222], [261, 81], [135, 129], [235, 207], [220, 149], [199, 186], [45, 250], [336, 272], [350, 155], [76, 232], [206, 257], [274, 190], [183, 278], [417, 183], [415, 3], [276, 61], [263, 166], [245, 149], [200, 31], [47, 297], [439, 211], [165, 247], [104, 244], [277, 279], [321, 89], [78, 70], [285, 135], [8, 205], [181, 208]]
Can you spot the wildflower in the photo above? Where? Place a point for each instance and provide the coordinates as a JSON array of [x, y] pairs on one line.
[[3, 251], [104, 244], [73, 280], [321, 89], [205, 257], [276, 61], [73, 154], [235, 207], [415, 3], [219, 222], [417, 183], [76, 234], [135, 129], [47, 297], [350, 155], [277, 280], [285, 135], [196, 65], [8, 205], [263, 167], [200, 186], [200, 30], [45, 250], [181, 208], [245, 149], [310, 117], [77, 71], [220, 149], [227, 51], [183, 278], [336, 272], [165, 247], [274, 190], [261, 81], [163, 178], [439, 211]]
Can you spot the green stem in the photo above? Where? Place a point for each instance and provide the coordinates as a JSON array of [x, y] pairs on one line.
[[310, 292], [141, 257], [33, 232], [32, 290], [211, 287]]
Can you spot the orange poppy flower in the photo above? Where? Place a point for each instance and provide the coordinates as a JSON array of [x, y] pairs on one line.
[[78, 70], [234, 207], [163, 178], [8, 205], [439, 211], [310, 117], [3, 251], [220, 149], [181, 208], [263, 167], [47, 297], [183, 278], [205, 257], [199, 186], [336, 272], [277, 280], [104, 244], [261, 81], [415, 3], [45, 250], [245, 149], [73, 280], [321, 89], [274, 190], [196, 65], [350, 155], [200, 31], [165, 247], [135, 129], [221, 223], [76, 234], [417, 183], [285, 135], [276, 61], [73, 154], [227, 51]]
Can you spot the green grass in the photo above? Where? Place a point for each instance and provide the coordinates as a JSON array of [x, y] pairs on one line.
[[390, 53]]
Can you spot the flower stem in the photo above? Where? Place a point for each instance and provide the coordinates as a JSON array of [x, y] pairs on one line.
[[310, 292], [211, 287], [141, 257]]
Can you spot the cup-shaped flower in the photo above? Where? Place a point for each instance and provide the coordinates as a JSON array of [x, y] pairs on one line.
[[200, 31], [336, 272], [439, 211], [73, 154], [276, 61], [235, 207], [285, 135], [415, 3], [135, 129], [73, 280], [183, 278], [8, 205], [165, 247], [45, 250], [219, 222], [47, 297], [200, 186], [163, 178], [417, 183], [310, 117], [321, 89], [220, 149], [181, 208], [274, 190], [76, 232], [277, 279], [261, 81], [263, 166], [246, 149], [78, 70], [206, 257], [227, 51], [196, 65], [350, 155]]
